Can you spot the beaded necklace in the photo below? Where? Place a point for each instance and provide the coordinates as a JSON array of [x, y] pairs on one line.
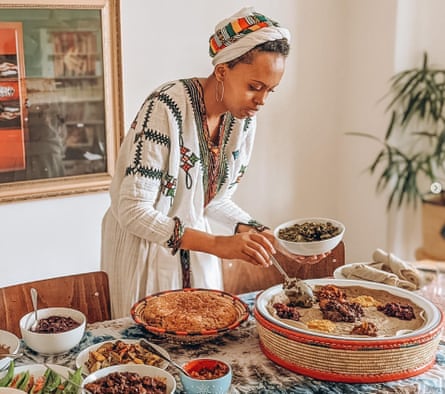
[[213, 147]]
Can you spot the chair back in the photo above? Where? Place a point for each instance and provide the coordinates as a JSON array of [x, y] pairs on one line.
[[241, 277], [87, 292]]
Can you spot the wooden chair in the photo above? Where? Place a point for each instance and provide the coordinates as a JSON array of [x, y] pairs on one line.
[[241, 277], [88, 292]]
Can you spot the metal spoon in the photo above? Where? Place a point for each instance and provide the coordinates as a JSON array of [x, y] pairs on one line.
[[34, 297], [279, 268], [152, 349], [298, 291], [10, 355]]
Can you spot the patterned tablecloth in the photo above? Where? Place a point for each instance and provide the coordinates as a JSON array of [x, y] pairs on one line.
[[253, 372]]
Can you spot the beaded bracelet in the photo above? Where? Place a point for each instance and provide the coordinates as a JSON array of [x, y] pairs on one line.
[[175, 240]]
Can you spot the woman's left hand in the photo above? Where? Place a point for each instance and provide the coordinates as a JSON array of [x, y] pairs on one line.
[[291, 256], [314, 259]]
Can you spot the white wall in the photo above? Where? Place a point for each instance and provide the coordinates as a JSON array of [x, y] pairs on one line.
[[343, 52]]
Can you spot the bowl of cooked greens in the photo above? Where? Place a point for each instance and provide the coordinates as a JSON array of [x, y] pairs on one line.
[[310, 236]]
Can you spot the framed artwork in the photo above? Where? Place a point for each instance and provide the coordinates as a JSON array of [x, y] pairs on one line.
[[61, 116]]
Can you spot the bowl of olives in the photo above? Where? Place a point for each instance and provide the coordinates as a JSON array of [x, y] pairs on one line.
[[310, 236]]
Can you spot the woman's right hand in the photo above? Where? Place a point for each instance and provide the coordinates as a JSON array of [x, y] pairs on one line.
[[250, 246]]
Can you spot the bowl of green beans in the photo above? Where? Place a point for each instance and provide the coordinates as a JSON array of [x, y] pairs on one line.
[[310, 236]]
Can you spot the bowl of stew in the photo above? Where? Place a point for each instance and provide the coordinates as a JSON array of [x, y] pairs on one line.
[[206, 375], [131, 378], [58, 330], [310, 236]]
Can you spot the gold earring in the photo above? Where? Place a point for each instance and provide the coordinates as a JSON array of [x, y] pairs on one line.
[[219, 91]]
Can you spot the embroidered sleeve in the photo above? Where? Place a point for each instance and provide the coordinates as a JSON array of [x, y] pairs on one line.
[[148, 159]]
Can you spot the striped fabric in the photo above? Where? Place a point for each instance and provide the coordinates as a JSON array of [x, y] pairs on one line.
[[237, 29]]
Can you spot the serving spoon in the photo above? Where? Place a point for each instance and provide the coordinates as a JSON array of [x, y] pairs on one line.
[[34, 296], [10, 355], [298, 291], [152, 349]]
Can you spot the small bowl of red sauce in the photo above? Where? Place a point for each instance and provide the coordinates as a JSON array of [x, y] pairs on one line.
[[206, 375], [58, 329]]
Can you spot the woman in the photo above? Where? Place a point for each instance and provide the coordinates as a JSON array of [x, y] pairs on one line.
[[179, 166]]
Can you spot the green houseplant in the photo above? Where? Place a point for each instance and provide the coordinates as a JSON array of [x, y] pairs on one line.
[[410, 165]]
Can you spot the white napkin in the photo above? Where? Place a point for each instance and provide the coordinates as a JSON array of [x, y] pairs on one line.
[[402, 269], [364, 271], [385, 268]]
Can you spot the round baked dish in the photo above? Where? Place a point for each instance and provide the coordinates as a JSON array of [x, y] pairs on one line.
[[190, 315], [348, 358]]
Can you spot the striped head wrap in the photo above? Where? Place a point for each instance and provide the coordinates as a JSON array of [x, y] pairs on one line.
[[241, 32]]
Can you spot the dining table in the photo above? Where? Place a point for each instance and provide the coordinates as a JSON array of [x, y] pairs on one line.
[[253, 372]]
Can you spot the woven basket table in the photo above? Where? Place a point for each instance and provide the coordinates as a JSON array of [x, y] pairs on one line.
[[350, 360]]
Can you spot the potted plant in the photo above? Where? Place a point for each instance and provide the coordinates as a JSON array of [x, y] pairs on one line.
[[411, 162]]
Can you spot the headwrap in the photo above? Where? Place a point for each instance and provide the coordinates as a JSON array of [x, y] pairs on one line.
[[241, 32]]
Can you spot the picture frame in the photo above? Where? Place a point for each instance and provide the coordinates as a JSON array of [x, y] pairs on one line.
[[61, 109]]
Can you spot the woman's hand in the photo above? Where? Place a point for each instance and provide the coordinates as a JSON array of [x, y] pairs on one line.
[[249, 246], [303, 259]]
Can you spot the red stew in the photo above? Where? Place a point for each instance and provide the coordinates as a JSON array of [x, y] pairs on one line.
[[208, 370]]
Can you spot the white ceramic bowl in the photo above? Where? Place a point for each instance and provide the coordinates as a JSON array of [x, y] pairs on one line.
[[219, 385], [52, 343], [310, 248], [8, 339], [142, 370]]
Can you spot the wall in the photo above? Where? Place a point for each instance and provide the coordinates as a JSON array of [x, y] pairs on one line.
[[304, 165]]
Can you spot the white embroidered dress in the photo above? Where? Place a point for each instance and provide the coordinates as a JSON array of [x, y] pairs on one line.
[[161, 173]]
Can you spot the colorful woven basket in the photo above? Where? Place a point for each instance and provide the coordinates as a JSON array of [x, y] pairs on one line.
[[241, 309], [350, 360]]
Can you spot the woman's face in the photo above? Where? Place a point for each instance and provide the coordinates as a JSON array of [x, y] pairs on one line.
[[246, 86]]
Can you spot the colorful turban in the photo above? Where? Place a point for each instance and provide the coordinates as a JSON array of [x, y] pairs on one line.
[[241, 32]]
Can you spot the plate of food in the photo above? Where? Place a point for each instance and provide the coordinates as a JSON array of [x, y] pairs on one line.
[[9, 344], [36, 378], [355, 302], [355, 332], [118, 352], [190, 315]]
